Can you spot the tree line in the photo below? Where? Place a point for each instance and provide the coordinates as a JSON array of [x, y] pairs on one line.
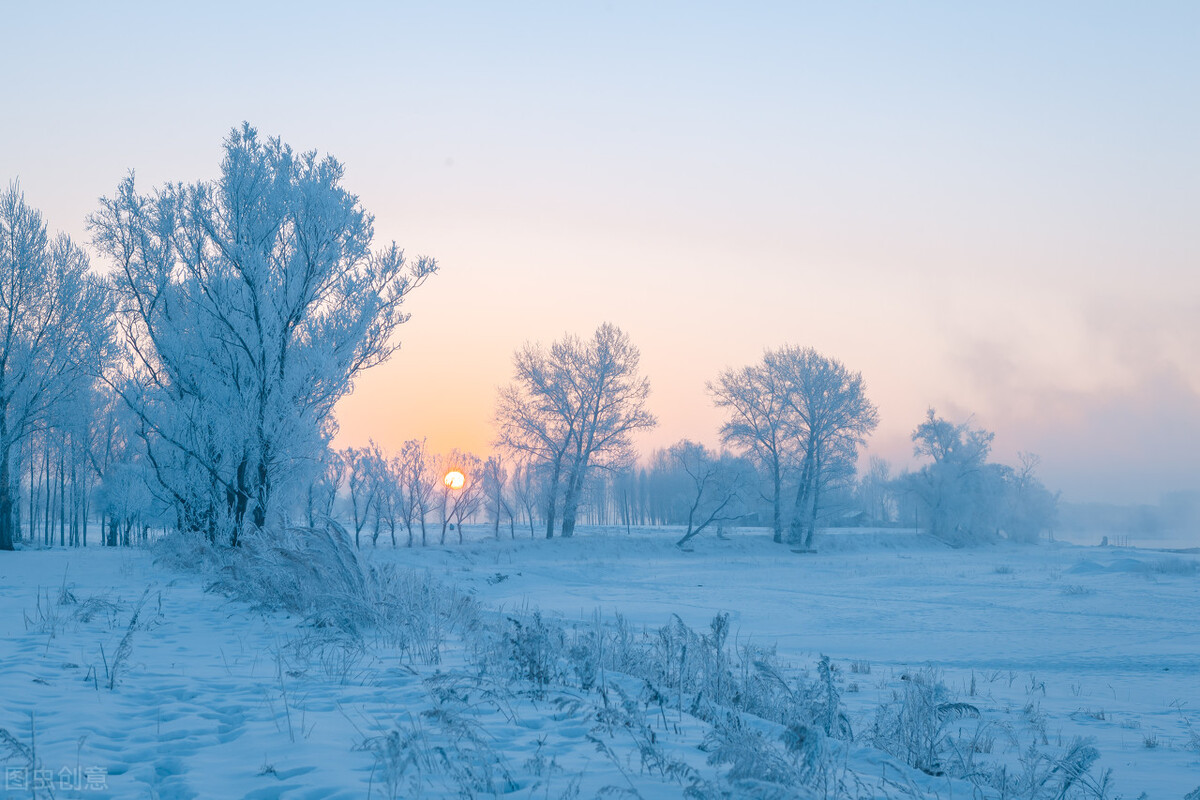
[[191, 385]]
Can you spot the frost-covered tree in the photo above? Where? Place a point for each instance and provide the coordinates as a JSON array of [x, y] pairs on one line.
[[800, 412], [964, 498], [248, 305], [573, 408], [829, 418], [54, 334], [957, 490]]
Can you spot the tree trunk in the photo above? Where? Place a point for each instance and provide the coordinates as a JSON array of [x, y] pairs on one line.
[[48, 523], [777, 503], [32, 491], [803, 490], [62, 502], [812, 520], [552, 497], [7, 502], [574, 492]]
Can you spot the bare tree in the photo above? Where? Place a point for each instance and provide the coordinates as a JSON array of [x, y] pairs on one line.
[[384, 491], [457, 501], [717, 486], [249, 304], [536, 419], [417, 484], [495, 486], [613, 395], [573, 408], [323, 489], [361, 486], [54, 333], [526, 492], [755, 398]]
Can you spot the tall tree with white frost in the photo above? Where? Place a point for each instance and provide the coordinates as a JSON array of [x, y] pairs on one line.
[[249, 304], [573, 408], [796, 411], [830, 416], [54, 333]]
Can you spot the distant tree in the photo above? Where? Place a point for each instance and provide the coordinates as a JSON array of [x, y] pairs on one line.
[[362, 485], [495, 490], [324, 487], [1032, 508], [417, 483], [717, 486], [668, 489], [954, 479], [874, 494], [55, 334], [248, 305], [964, 498], [573, 408], [458, 503], [388, 495], [525, 492]]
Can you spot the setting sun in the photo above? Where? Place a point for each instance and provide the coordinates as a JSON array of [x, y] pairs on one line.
[[454, 479]]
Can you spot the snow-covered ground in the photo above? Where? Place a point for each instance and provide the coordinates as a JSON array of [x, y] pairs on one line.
[[213, 699], [1103, 642]]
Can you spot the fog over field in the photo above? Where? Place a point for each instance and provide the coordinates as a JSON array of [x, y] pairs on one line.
[[600, 401]]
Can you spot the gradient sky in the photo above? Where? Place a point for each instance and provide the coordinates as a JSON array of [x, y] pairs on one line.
[[993, 210]]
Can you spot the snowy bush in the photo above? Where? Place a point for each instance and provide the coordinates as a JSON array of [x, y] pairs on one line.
[[916, 726]]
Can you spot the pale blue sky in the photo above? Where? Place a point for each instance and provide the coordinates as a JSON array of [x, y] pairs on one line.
[[991, 209]]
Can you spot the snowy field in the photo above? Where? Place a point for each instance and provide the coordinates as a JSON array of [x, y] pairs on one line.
[[124, 678]]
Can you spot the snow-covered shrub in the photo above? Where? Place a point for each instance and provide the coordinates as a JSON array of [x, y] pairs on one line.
[[535, 651], [317, 574], [1048, 775], [761, 765], [313, 572], [917, 725]]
